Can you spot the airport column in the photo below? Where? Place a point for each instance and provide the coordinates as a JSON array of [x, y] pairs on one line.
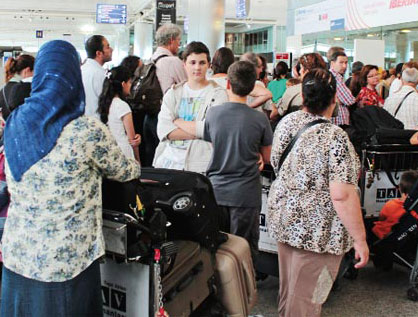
[[402, 48], [207, 23], [121, 46], [143, 33], [415, 49]]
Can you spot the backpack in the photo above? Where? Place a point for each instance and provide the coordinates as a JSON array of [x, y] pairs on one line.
[[146, 93], [372, 125]]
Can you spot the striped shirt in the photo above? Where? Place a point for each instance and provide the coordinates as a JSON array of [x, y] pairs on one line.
[[345, 98]]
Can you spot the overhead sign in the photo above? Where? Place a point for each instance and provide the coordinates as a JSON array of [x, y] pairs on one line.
[[39, 34], [242, 9], [166, 12], [337, 24], [111, 13], [367, 14], [319, 17], [330, 15]]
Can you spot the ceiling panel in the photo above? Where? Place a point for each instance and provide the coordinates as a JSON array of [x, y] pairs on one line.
[[20, 19]]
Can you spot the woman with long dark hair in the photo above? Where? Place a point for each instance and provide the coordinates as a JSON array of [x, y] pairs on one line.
[[116, 113]]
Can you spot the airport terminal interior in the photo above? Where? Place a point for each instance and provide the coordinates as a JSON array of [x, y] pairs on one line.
[[209, 158]]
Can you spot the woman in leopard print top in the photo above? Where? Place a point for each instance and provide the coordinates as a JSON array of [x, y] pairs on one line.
[[313, 206]]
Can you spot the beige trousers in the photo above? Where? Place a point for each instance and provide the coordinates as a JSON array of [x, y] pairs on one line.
[[306, 278]]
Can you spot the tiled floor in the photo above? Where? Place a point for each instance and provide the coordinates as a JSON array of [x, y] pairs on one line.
[[373, 294]]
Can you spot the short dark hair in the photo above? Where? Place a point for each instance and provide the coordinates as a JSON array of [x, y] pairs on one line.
[[356, 67], [408, 179], [94, 44], [222, 59], [242, 77], [334, 49], [398, 68], [335, 56], [196, 48], [318, 89], [280, 69]]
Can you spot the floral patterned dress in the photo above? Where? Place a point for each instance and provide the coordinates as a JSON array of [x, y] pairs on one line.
[[300, 210], [54, 226]]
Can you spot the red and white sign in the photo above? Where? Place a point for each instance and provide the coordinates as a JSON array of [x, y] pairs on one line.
[[367, 14]]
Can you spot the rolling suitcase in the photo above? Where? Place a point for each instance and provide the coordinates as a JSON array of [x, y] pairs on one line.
[[190, 280], [236, 277]]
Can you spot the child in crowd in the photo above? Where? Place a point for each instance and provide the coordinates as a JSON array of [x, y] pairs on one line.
[[239, 135], [292, 82], [393, 210], [190, 102], [116, 113], [274, 115]]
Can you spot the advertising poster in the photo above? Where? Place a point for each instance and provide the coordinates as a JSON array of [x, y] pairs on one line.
[[367, 14], [323, 16]]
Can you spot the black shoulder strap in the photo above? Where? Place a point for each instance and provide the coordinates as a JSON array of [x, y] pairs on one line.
[[293, 141], [399, 107], [159, 57]]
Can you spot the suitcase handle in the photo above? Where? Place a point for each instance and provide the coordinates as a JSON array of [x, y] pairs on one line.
[[249, 281]]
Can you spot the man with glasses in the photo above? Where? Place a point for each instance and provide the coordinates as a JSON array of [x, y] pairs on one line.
[[338, 67], [170, 71], [92, 72]]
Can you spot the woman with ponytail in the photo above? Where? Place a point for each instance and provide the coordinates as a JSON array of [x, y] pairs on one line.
[[116, 113], [18, 72]]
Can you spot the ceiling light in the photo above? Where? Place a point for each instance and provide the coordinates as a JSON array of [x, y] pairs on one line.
[[338, 38], [370, 35], [88, 28], [405, 31]]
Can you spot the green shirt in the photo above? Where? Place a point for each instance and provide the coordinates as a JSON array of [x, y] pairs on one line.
[[277, 88]]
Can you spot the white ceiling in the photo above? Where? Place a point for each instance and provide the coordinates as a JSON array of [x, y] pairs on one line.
[[19, 19]]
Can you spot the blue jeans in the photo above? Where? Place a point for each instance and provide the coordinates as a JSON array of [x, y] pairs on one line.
[[80, 296]]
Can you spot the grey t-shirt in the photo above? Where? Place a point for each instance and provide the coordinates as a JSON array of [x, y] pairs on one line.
[[237, 132]]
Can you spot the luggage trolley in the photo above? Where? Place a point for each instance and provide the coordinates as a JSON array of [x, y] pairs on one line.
[[382, 167]]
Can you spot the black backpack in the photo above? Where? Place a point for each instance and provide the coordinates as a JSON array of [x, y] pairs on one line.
[[146, 93]]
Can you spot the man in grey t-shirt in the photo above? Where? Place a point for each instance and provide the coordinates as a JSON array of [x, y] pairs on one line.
[[239, 135]]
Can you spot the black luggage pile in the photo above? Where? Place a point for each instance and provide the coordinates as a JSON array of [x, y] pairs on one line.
[[176, 213], [373, 125]]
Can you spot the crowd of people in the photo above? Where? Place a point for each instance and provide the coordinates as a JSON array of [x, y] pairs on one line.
[[70, 123]]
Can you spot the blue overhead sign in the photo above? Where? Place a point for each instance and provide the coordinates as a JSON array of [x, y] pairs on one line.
[[337, 24], [242, 8], [111, 13]]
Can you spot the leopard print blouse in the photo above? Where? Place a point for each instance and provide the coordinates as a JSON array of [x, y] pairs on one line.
[[300, 210]]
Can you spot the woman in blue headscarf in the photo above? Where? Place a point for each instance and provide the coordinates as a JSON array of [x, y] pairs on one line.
[[55, 160]]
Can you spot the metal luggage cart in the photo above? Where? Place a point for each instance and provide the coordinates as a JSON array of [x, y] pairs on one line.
[[381, 169]]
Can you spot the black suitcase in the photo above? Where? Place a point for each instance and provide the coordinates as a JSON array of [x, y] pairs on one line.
[[186, 198], [190, 280]]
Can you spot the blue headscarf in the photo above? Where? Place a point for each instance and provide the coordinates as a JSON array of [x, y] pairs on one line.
[[57, 98]]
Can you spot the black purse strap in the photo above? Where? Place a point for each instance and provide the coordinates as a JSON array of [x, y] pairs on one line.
[[295, 138], [399, 107]]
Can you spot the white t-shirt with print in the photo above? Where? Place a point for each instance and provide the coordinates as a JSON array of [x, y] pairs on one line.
[[118, 109], [174, 155]]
